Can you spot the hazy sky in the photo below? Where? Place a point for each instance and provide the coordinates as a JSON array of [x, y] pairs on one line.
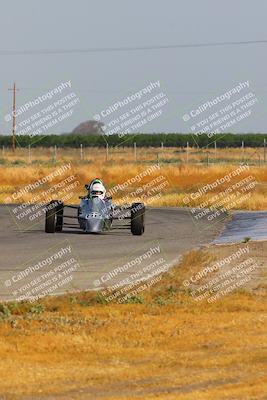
[[188, 76]]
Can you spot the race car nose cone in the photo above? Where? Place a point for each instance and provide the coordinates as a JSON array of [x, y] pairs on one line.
[[94, 225]]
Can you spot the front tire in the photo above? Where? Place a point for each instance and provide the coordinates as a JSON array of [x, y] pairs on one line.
[[54, 217], [138, 219]]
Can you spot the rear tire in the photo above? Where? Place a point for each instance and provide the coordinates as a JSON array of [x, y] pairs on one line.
[[138, 219], [54, 217], [59, 216]]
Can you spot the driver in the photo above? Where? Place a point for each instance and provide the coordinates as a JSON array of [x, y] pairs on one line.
[[97, 189]]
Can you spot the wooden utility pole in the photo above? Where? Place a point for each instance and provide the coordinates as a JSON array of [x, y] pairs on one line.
[[14, 143]]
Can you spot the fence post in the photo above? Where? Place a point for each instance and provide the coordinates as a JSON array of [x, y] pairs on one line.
[[135, 153], [264, 152], [29, 154], [208, 156], [243, 151], [187, 152], [55, 153], [158, 159], [81, 151], [215, 150], [3, 150], [107, 151]]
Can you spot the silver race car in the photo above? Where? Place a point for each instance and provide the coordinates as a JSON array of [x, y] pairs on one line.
[[96, 213]]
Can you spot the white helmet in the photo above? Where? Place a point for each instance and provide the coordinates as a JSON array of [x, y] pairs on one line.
[[97, 189]]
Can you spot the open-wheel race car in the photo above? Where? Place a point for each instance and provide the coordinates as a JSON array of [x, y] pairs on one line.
[[95, 214]]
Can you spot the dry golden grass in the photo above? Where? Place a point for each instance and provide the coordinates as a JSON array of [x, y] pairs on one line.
[[181, 178], [169, 347]]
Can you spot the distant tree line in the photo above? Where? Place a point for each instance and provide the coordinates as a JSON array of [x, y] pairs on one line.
[[141, 140]]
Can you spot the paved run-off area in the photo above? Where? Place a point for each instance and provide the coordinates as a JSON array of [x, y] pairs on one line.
[[244, 225]]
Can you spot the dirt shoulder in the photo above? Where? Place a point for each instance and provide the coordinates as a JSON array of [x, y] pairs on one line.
[[163, 344]]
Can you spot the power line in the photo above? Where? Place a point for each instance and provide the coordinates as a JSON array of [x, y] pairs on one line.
[[125, 92], [121, 49]]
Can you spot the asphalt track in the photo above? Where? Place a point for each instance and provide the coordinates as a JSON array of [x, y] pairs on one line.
[[169, 233]]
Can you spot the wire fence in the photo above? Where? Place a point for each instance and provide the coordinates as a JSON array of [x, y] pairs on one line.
[[160, 155]]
